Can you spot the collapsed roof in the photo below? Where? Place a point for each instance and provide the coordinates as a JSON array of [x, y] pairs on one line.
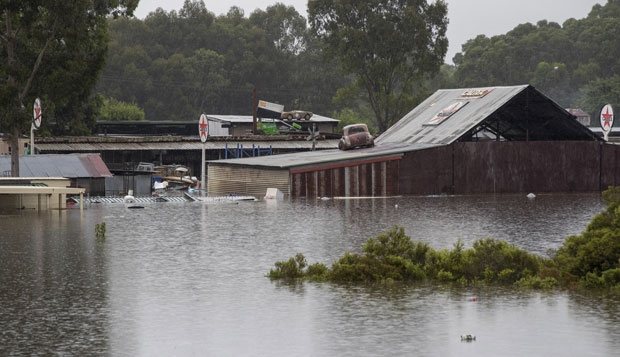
[[516, 113]]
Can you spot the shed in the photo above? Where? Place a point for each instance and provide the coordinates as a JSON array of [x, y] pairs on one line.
[[83, 170], [457, 141]]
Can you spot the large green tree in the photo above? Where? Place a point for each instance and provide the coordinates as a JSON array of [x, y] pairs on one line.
[[574, 63], [178, 64], [389, 45], [51, 49]]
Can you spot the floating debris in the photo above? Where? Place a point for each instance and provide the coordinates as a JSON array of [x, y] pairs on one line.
[[531, 196], [468, 338]]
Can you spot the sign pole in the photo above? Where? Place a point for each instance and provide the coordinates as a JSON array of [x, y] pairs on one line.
[[202, 170], [203, 130], [31, 139]]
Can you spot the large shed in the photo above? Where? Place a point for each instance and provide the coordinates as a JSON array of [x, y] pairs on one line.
[[458, 141]]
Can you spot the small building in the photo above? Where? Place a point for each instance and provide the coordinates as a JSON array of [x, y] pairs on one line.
[[581, 116], [457, 141], [86, 171], [36, 192]]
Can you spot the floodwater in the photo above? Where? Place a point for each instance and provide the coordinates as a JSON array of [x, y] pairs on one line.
[[188, 279]]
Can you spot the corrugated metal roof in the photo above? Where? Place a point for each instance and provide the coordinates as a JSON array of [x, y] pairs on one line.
[[310, 158], [516, 112], [248, 118], [210, 145], [58, 165]]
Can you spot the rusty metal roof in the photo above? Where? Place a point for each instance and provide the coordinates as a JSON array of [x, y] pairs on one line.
[[516, 113], [313, 158], [180, 145], [58, 165], [249, 119]]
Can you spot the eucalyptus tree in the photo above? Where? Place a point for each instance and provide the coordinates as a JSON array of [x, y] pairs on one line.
[[389, 45], [49, 45]]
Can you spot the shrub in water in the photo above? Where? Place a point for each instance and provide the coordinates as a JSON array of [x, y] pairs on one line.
[[290, 269]]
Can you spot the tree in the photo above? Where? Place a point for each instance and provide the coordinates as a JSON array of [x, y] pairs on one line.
[[48, 44], [115, 110], [389, 45]]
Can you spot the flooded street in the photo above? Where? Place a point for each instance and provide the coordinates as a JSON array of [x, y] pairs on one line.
[[189, 279]]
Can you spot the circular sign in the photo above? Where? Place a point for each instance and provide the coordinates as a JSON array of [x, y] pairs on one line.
[[37, 115], [607, 118], [203, 126]]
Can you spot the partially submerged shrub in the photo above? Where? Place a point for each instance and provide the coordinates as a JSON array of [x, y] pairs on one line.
[[290, 269], [591, 259]]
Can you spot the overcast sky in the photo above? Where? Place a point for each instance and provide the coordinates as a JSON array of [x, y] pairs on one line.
[[468, 18]]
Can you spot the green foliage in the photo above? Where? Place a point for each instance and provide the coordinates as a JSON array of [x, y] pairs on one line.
[[100, 232], [53, 49], [591, 260], [388, 46], [179, 64], [565, 62], [537, 282], [290, 269], [115, 110]]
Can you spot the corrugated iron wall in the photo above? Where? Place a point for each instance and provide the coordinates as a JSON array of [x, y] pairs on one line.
[[367, 179], [504, 167], [228, 180]]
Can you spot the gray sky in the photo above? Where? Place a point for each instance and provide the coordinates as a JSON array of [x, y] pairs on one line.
[[468, 18]]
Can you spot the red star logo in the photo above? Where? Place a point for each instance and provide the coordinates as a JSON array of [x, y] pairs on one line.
[[203, 129], [607, 118]]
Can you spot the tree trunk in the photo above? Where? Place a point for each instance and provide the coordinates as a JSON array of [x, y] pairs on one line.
[[14, 143]]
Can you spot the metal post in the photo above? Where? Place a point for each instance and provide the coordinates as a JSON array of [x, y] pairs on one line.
[[202, 170], [254, 104], [31, 139]]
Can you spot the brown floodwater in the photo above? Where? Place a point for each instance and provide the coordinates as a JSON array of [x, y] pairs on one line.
[[189, 279]]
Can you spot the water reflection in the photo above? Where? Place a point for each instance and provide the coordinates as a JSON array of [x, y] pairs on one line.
[[188, 279]]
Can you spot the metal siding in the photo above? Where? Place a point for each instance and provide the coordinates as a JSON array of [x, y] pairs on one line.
[[365, 180], [311, 185], [392, 178], [502, 167], [325, 183], [338, 182], [426, 172], [378, 172], [352, 181], [225, 180], [610, 165]]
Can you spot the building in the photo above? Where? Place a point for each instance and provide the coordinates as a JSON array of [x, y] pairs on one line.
[[582, 117], [85, 171], [458, 141], [219, 126]]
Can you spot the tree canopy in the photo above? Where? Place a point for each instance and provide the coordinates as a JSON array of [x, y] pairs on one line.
[[179, 64], [574, 63], [53, 50], [388, 45]]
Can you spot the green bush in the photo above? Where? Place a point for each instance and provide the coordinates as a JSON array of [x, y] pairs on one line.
[[290, 269], [591, 260], [536, 282]]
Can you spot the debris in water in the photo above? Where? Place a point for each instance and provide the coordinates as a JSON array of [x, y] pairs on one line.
[[531, 196], [468, 338]]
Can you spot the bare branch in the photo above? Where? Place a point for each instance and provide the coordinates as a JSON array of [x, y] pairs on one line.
[[37, 64]]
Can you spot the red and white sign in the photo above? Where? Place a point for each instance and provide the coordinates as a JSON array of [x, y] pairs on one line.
[[446, 113], [607, 118], [203, 128], [476, 93], [37, 115]]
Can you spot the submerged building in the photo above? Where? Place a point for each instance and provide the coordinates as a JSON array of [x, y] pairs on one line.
[[458, 141]]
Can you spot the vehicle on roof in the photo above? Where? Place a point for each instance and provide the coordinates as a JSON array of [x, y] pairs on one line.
[[296, 114], [355, 135]]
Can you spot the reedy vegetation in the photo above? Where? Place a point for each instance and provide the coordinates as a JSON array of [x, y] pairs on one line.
[[590, 260]]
